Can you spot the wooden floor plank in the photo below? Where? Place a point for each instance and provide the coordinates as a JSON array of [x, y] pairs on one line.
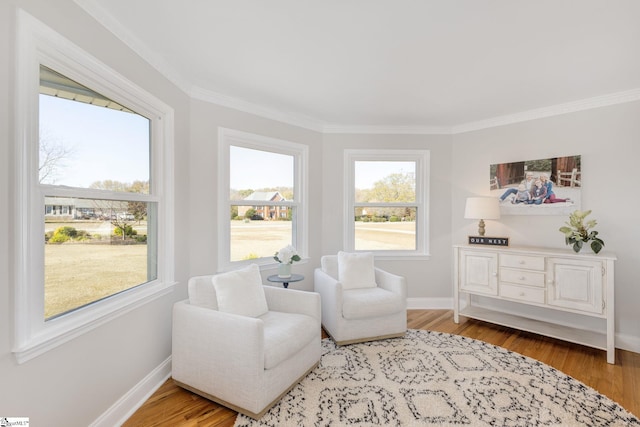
[[173, 406]]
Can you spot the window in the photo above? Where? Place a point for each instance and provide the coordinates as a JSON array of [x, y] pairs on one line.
[[261, 197], [386, 202], [88, 142], [95, 193]]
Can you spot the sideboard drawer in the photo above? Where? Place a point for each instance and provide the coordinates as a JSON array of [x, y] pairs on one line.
[[522, 293], [530, 262], [522, 277]]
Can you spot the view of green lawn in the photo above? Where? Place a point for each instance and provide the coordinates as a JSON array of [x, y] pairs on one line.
[[79, 273]]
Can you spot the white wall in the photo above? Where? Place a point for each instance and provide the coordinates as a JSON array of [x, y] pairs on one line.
[[6, 322], [73, 384], [426, 279], [608, 139]]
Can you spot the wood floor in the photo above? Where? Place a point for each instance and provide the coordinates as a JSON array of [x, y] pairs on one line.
[[172, 406]]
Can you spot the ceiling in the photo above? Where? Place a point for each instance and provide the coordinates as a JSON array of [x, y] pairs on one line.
[[430, 65]]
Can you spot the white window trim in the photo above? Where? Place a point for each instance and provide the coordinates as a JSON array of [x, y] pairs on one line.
[[38, 44], [422, 160], [300, 224]]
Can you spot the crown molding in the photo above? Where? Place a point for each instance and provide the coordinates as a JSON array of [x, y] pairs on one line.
[[328, 128], [388, 130], [553, 110], [100, 14], [523, 116], [256, 109]]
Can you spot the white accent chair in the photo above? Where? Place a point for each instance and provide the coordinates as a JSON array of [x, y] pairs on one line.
[[246, 362], [375, 310]]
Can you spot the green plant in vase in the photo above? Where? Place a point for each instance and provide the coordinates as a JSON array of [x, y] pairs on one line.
[[578, 232]]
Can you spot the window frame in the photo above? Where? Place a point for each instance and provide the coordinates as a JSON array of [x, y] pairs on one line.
[[300, 230], [38, 44], [422, 161]]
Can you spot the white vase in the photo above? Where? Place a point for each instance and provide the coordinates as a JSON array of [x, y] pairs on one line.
[[284, 270]]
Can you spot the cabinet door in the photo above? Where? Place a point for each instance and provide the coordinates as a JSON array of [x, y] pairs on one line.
[[575, 284], [479, 272]]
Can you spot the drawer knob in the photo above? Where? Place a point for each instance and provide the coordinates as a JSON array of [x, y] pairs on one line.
[[521, 294], [522, 262], [522, 278]]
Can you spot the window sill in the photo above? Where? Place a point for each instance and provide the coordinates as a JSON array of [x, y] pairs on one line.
[[67, 327]]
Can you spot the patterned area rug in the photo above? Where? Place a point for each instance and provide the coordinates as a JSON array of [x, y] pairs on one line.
[[432, 378]]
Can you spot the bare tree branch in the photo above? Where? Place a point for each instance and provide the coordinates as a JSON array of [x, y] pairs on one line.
[[52, 156]]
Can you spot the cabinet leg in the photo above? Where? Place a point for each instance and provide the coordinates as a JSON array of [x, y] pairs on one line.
[[611, 356]]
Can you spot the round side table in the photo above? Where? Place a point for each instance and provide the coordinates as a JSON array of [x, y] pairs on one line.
[[285, 280]]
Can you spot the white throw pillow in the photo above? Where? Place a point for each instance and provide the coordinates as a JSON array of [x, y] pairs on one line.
[[241, 292], [356, 270]]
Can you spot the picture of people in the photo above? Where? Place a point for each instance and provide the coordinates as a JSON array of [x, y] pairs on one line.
[[522, 195], [537, 187]]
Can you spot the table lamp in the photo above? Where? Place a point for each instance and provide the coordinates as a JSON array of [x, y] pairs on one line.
[[482, 208]]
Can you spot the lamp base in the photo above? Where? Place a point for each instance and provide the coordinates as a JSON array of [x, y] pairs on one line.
[[481, 227]]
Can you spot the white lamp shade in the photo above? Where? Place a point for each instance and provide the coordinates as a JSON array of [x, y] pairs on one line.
[[482, 208]]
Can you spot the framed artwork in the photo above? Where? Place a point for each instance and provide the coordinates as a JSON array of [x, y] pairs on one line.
[[537, 187]]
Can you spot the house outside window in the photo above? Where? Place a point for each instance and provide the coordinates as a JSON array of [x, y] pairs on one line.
[[262, 197], [265, 212], [386, 202], [95, 201]]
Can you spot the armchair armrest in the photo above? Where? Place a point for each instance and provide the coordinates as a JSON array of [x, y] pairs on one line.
[[329, 288], [293, 301], [330, 291], [206, 338], [392, 282]]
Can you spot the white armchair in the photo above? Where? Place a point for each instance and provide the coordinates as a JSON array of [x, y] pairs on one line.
[[373, 308], [246, 361]]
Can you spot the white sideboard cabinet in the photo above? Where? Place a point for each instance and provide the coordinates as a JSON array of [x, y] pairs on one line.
[[551, 279]]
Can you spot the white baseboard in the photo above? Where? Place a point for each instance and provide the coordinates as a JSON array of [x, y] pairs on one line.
[[628, 342], [120, 411], [430, 303]]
